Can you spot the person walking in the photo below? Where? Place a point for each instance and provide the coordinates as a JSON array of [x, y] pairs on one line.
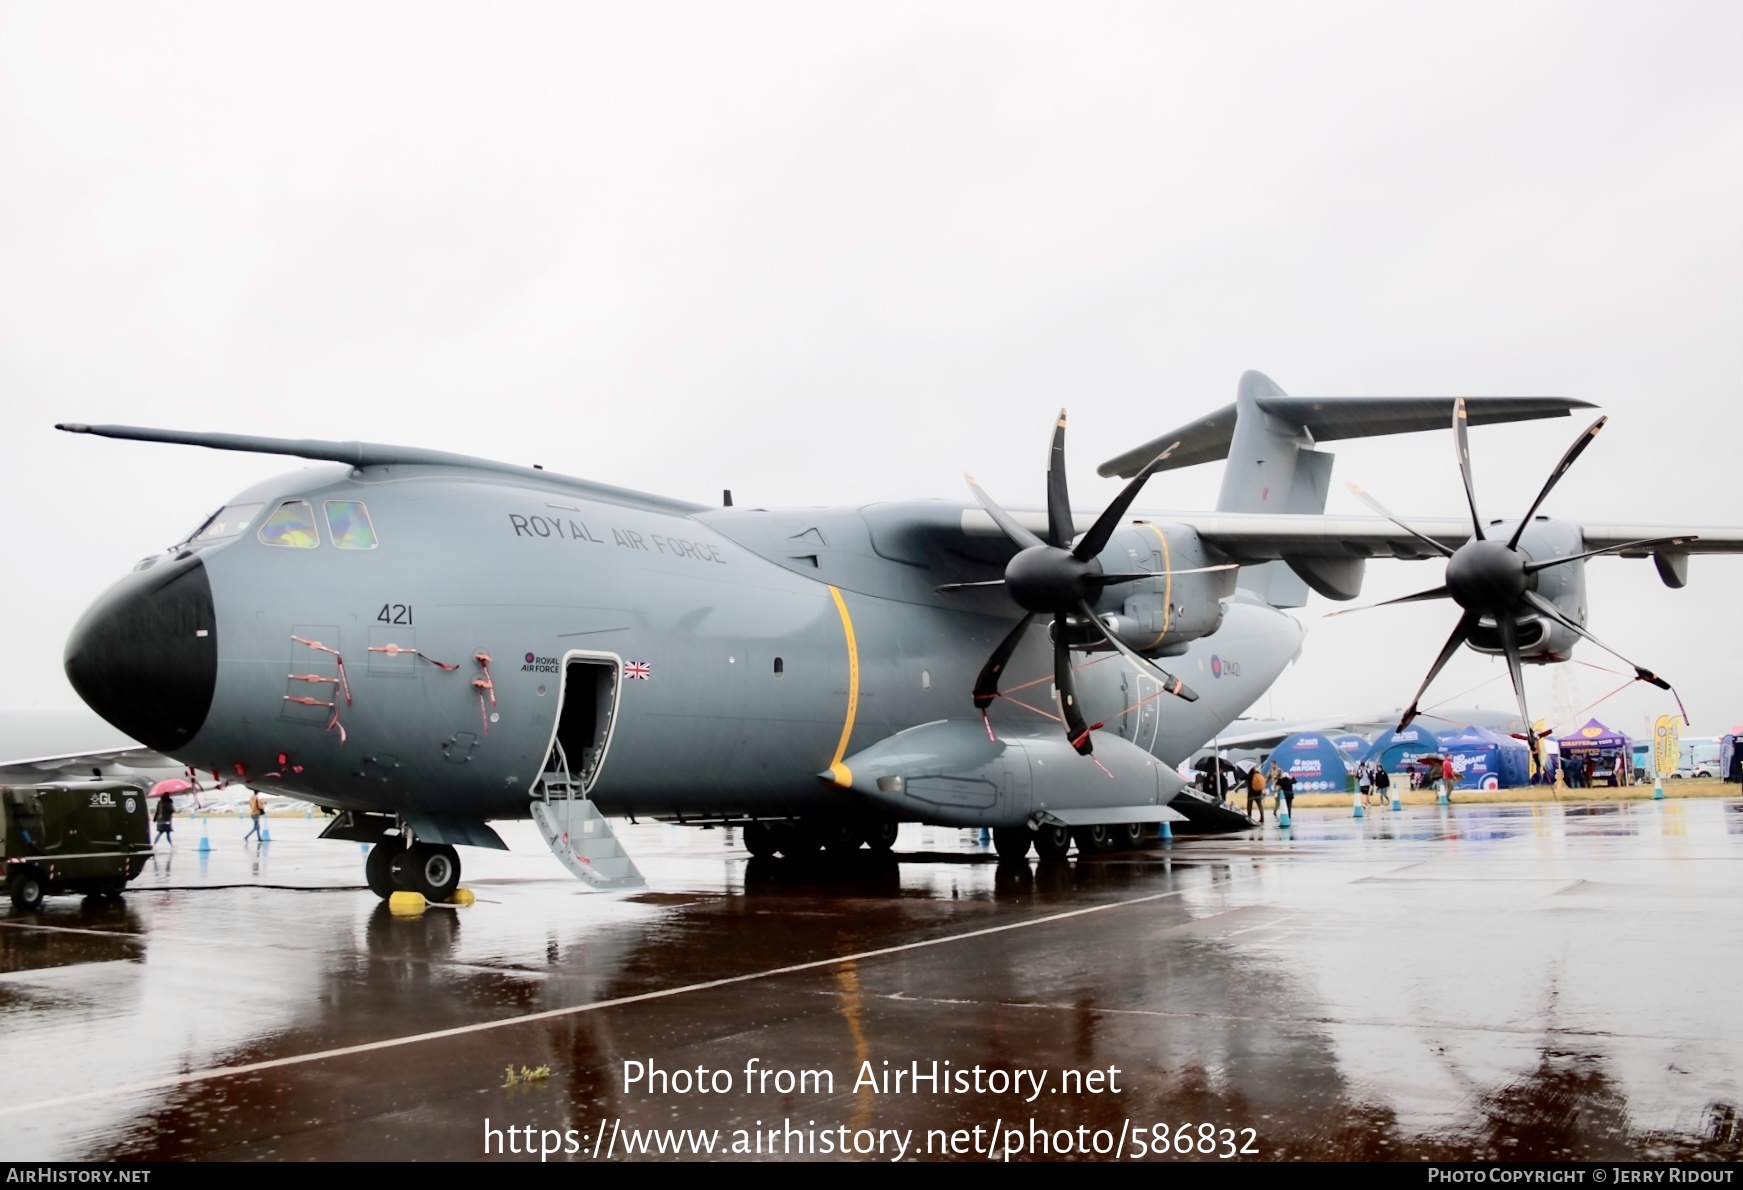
[[1382, 783], [256, 810], [1285, 796], [1256, 793], [164, 816], [1364, 780], [1448, 778]]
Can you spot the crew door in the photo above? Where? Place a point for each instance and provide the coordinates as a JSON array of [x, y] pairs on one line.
[[591, 684]]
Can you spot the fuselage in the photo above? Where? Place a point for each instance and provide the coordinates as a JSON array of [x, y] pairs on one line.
[[395, 637]]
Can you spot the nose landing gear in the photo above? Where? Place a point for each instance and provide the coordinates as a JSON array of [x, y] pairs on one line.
[[432, 869]]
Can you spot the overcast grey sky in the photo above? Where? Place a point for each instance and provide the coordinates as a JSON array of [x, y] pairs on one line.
[[831, 254]]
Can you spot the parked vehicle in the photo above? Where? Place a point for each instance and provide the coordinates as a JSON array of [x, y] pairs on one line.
[[87, 837]]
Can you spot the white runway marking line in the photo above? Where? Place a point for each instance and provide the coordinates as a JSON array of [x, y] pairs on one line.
[[179, 1080]]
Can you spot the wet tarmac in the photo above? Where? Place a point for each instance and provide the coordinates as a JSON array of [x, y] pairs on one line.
[[1481, 982]]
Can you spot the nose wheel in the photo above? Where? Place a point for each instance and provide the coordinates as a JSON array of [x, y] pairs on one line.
[[432, 869]]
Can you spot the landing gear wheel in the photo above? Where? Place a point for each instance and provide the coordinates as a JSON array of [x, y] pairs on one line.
[[761, 839], [842, 839], [797, 840], [1012, 843], [880, 833], [1129, 836], [429, 868], [378, 868], [1094, 838], [1052, 842], [27, 889]]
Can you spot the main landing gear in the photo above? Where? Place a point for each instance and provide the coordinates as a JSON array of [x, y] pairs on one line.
[[1054, 842], [432, 869], [803, 839]]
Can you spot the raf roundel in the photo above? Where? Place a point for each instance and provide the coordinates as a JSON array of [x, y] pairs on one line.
[[529, 658]]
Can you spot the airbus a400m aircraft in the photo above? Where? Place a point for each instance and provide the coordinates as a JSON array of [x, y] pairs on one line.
[[425, 642]]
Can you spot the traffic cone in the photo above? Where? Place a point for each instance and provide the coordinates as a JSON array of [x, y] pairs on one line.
[[1397, 799], [1283, 819], [1360, 813], [1657, 788], [205, 836], [1165, 833]]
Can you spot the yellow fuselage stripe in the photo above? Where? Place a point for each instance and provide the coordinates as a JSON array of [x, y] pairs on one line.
[[842, 775], [1167, 584]]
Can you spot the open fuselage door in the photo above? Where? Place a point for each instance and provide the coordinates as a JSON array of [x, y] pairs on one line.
[[577, 833]]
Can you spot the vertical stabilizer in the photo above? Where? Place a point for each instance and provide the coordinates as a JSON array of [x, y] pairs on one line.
[[1272, 468]]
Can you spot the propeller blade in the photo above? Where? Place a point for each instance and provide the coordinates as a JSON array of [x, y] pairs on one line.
[[945, 587], [1643, 543], [1510, 645], [1555, 613], [1003, 519], [1459, 635], [1076, 730], [1567, 460], [1462, 447], [1136, 575], [1362, 495], [1171, 684], [1060, 529], [1420, 596], [1096, 539], [986, 686]]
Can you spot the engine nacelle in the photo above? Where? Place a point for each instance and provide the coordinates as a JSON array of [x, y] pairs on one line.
[[1542, 640], [1159, 617]]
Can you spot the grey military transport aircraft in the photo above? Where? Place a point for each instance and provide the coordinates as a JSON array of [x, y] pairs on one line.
[[424, 642]]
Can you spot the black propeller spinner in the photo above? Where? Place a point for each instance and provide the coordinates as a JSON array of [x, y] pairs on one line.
[[1495, 581], [1053, 578]]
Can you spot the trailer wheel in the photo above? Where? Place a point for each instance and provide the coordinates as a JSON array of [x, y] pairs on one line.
[[27, 889]]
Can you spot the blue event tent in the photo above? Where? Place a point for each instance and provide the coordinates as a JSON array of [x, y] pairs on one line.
[[1485, 760], [1315, 762], [1353, 746], [1396, 749]]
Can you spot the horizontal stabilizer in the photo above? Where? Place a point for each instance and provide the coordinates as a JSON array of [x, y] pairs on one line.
[[1327, 419]]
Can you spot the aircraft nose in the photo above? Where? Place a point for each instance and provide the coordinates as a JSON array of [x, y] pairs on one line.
[[145, 655]]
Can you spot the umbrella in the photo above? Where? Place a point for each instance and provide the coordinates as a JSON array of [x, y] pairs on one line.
[[175, 785]]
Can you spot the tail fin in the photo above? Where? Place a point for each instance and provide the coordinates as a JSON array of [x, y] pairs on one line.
[[1273, 468], [1268, 438]]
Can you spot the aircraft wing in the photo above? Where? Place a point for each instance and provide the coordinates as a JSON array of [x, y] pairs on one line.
[[48, 744], [1262, 537]]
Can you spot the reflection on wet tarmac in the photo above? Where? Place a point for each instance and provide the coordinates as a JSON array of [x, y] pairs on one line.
[[1465, 982]]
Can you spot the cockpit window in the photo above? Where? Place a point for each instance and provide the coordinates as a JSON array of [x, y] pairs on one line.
[[349, 523], [228, 521], [292, 523]]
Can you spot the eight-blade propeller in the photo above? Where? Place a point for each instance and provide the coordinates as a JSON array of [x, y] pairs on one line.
[[1493, 581], [1054, 578]]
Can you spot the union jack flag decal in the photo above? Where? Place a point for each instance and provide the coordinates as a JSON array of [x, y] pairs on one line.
[[637, 669]]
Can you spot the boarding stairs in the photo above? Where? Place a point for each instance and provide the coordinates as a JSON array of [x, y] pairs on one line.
[[577, 833]]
